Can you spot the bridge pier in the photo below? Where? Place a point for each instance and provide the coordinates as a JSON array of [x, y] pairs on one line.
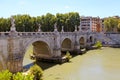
[[15, 55], [57, 48], [77, 48], [56, 52]]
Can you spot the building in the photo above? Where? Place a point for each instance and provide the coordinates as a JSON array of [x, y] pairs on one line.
[[89, 23], [102, 25]]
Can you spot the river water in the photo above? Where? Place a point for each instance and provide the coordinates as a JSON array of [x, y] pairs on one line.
[[101, 64]]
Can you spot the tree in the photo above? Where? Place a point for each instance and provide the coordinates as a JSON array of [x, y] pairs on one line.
[[36, 71], [23, 23], [68, 20], [110, 24], [118, 27], [26, 23], [5, 75], [47, 22], [68, 56], [20, 76], [98, 44]]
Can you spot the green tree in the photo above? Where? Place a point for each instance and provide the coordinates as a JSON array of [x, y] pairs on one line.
[[68, 20], [36, 71], [26, 23], [47, 22], [4, 24], [20, 76], [68, 56], [118, 27], [5, 75], [98, 44], [110, 24], [23, 23]]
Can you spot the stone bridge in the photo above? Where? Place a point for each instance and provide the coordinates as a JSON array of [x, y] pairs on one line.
[[13, 45]]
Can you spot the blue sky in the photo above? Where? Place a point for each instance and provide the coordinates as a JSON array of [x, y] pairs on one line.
[[101, 8]]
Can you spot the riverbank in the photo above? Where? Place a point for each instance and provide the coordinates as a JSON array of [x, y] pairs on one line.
[[100, 64]]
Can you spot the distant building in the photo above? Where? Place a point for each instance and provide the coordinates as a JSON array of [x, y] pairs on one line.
[[89, 23], [102, 22]]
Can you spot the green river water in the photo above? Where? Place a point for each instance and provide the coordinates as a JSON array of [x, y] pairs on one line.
[[101, 64]]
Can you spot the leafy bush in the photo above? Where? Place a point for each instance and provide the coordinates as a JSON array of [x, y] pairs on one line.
[[36, 71], [98, 44], [68, 56], [5, 75], [20, 76]]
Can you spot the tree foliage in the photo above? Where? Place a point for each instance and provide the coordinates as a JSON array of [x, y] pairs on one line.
[[36, 71], [98, 44], [68, 56], [26, 23], [20, 76], [68, 20], [7, 75], [111, 24]]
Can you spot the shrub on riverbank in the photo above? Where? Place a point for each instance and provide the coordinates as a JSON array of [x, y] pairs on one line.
[[7, 75], [68, 56], [20, 76], [36, 71], [98, 44]]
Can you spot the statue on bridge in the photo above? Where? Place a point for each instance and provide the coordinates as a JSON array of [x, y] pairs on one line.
[[12, 29], [39, 29], [55, 27], [62, 29], [75, 28]]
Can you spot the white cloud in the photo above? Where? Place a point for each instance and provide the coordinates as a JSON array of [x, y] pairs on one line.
[[67, 7]]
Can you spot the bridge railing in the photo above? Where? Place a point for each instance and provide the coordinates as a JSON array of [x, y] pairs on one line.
[[67, 33], [23, 34], [7, 34], [35, 33], [2, 34]]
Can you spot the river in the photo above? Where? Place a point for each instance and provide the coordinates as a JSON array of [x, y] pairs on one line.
[[101, 64]]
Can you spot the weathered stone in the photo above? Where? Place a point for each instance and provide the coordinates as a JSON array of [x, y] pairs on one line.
[[45, 45]]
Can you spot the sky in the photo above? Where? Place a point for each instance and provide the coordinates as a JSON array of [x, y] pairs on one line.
[[101, 8]]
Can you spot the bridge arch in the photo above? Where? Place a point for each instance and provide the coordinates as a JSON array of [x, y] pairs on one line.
[[82, 42], [42, 43], [66, 44], [91, 39], [41, 49]]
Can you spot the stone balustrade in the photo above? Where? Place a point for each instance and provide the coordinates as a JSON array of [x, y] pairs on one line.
[[28, 34], [22, 34]]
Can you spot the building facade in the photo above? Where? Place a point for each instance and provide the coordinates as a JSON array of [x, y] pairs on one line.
[[91, 24]]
